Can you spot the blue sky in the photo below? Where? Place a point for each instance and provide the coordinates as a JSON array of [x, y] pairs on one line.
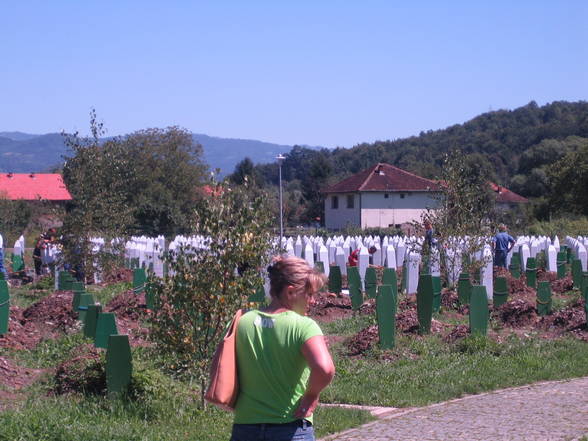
[[331, 73]]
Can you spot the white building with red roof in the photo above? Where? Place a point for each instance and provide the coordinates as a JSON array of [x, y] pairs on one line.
[[381, 196], [33, 187]]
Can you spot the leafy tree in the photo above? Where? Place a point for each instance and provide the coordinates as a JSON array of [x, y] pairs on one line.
[[208, 283], [569, 181], [15, 217]]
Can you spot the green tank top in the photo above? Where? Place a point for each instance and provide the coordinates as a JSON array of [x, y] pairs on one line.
[[272, 370]]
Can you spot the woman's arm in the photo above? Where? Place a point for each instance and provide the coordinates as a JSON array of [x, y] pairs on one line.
[[322, 371]]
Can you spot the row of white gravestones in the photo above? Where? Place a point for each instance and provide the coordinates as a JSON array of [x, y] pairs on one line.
[[579, 246]]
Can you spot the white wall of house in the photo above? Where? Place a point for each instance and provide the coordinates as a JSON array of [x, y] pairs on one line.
[[378, 209], [343, 215]]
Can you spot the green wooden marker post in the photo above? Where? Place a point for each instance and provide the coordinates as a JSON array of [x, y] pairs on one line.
[[561, 264], [425, 303], [436, 293], [531, 272], [515, 265], [86, 299], [4, 307], [139, 279], [105, 327], [577, 273], [356, 295], [371, 281], [78, 290], [17, 263], [353, 277], [335, 279], [78, 287], [2, 276], [386, 315], [479, 313], [92, 320], [404, 280], [464, 287], [544, 298], [500, 291], [119, 364], [585, 292], [389, 277]]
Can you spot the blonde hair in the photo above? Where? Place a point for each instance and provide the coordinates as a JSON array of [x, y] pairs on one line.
[[296, 272]]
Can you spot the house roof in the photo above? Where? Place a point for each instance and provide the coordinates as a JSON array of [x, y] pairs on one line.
[[383, 177], [505, 196], [33, 186]]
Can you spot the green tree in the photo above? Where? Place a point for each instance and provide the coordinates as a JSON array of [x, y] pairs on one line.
[[210, 282]]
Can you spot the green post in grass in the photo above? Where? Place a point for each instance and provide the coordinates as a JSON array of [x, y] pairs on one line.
[[356, 295], [561, 264], [78, 290], [479, 310], [2, 276], [500, 291], [86, 299], [119, 365], [585, 292], [544, 298], [464, 287], [436, 293], [17, 263], [371, 282], [425, 303], [531, 272], [353, 277], [78, 287], [386, 315], [335, 279], [577, 273], [105, 327], [92, 320], [515, 265], [139, 279], [389, 277], [4, 307]]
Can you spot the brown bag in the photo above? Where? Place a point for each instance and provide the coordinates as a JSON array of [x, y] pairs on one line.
[[224, 384]]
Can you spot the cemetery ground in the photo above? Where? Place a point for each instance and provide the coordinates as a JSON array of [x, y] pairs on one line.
[[52, 380]]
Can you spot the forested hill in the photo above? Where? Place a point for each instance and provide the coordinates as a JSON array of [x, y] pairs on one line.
[[512, 144]]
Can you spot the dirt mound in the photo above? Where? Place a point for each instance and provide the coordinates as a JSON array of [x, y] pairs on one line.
[[407, 321], [82, 374], [53, 312], [571, 317], [363, 341], [117, 275], [16, 377], [543, 275], [129, 311], [562, 285], [449, 299], [328, 307], [457, 333], [21, 334], [517, 313]]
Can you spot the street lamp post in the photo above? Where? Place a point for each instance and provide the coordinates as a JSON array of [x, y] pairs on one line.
[[280, 158]]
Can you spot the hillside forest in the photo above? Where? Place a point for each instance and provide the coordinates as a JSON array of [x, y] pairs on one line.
[[540, 152]]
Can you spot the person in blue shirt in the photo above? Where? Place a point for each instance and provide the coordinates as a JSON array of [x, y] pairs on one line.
[[2, 268], [502, 243]]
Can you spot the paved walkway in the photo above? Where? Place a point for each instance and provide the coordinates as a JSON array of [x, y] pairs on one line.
[[549, 411]]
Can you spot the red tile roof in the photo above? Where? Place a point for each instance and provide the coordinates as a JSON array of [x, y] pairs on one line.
[[383, 177], [33, 186], [505, 196]]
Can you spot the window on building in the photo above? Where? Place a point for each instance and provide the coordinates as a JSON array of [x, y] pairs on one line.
[[335, 202], [385, 195], [350, 201], [401, 195]]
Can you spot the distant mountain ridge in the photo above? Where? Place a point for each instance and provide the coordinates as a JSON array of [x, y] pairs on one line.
[[24, 152]]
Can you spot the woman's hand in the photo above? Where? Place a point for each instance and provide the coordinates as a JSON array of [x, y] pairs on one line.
[[306, 406]]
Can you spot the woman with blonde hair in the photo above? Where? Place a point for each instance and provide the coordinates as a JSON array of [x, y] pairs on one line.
[[283, 360]]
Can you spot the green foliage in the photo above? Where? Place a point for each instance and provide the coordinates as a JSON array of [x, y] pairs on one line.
[[209, 283], [571, 225], [44, 283], [14, 219]]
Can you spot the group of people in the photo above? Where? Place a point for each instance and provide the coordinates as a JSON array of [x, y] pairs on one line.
[[50, 237]]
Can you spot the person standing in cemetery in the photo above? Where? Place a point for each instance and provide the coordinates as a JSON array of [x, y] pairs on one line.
[[2, 268], [353, 258], [37, 252], [502, 243], [282, 358]]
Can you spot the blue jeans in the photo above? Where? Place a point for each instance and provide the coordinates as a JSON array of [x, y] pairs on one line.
[[2, 269], [500, 258], [299, 430]]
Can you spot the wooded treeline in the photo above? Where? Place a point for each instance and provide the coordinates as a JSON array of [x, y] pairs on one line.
[[517, 149]]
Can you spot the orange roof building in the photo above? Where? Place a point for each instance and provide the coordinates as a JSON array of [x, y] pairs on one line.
[[33, 187]]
